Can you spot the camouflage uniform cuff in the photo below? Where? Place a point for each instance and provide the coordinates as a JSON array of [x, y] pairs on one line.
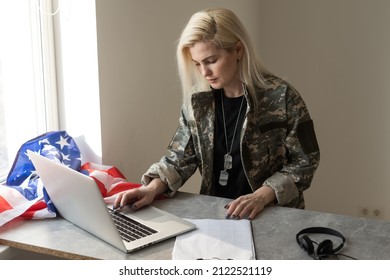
[[168, 175], [284, 187]]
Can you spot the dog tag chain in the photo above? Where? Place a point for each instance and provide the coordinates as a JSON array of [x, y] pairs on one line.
[[228, 159]]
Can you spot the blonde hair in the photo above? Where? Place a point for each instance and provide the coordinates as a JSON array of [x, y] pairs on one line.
[[222, 28]]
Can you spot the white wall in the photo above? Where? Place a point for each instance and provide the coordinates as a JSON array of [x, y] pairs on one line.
[[334, 52], [337, 55]]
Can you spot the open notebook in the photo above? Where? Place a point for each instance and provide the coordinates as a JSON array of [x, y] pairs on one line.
[[216, 239]]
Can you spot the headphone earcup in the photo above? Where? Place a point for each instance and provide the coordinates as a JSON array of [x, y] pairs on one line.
[[306, 244], [325, 248]]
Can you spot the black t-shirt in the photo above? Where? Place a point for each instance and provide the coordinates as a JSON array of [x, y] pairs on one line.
[[237, 184]]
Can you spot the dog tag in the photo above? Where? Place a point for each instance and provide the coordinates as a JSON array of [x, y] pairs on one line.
[[228, 162], [223, 177]]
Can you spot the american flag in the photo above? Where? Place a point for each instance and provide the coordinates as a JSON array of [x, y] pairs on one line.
[[24, 195]]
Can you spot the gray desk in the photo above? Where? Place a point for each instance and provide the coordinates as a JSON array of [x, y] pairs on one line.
[[274, 233]]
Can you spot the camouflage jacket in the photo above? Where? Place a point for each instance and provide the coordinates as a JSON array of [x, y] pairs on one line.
[[278, 145]]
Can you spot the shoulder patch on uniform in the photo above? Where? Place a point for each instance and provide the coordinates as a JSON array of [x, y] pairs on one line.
[[307, 137]]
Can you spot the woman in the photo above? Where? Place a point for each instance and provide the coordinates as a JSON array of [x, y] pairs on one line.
[[248, 131]]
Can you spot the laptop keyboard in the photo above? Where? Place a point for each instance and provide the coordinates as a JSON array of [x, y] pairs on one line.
[[130, 229]]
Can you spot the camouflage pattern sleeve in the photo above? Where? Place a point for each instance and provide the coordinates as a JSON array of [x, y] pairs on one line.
[[181, 163], [302, 157]]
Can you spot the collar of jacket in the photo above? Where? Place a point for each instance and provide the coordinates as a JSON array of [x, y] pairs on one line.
[[203, 104]]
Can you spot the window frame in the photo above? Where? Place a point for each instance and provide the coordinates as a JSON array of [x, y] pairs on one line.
[[44, 70]]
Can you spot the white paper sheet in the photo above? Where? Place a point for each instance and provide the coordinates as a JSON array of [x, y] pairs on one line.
[[216, 239]]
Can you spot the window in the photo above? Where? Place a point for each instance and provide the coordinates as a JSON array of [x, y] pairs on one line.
[[28, 103]]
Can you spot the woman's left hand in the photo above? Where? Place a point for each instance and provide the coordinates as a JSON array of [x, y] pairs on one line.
[[251, 204]]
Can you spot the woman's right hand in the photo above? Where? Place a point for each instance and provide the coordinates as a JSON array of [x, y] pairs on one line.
[[142, 196]]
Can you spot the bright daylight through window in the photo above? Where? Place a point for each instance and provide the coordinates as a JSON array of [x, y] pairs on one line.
[[27, 88]]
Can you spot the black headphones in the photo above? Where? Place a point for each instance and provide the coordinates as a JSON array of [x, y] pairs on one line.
[[325, 248]]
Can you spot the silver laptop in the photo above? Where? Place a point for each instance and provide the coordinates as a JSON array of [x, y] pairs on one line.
[[78, 200]]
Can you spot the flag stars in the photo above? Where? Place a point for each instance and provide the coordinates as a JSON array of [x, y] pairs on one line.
[[63, 142], [44, 141], [65, 157]]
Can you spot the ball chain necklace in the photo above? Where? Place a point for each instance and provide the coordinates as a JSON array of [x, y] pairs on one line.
[[228, 159]]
